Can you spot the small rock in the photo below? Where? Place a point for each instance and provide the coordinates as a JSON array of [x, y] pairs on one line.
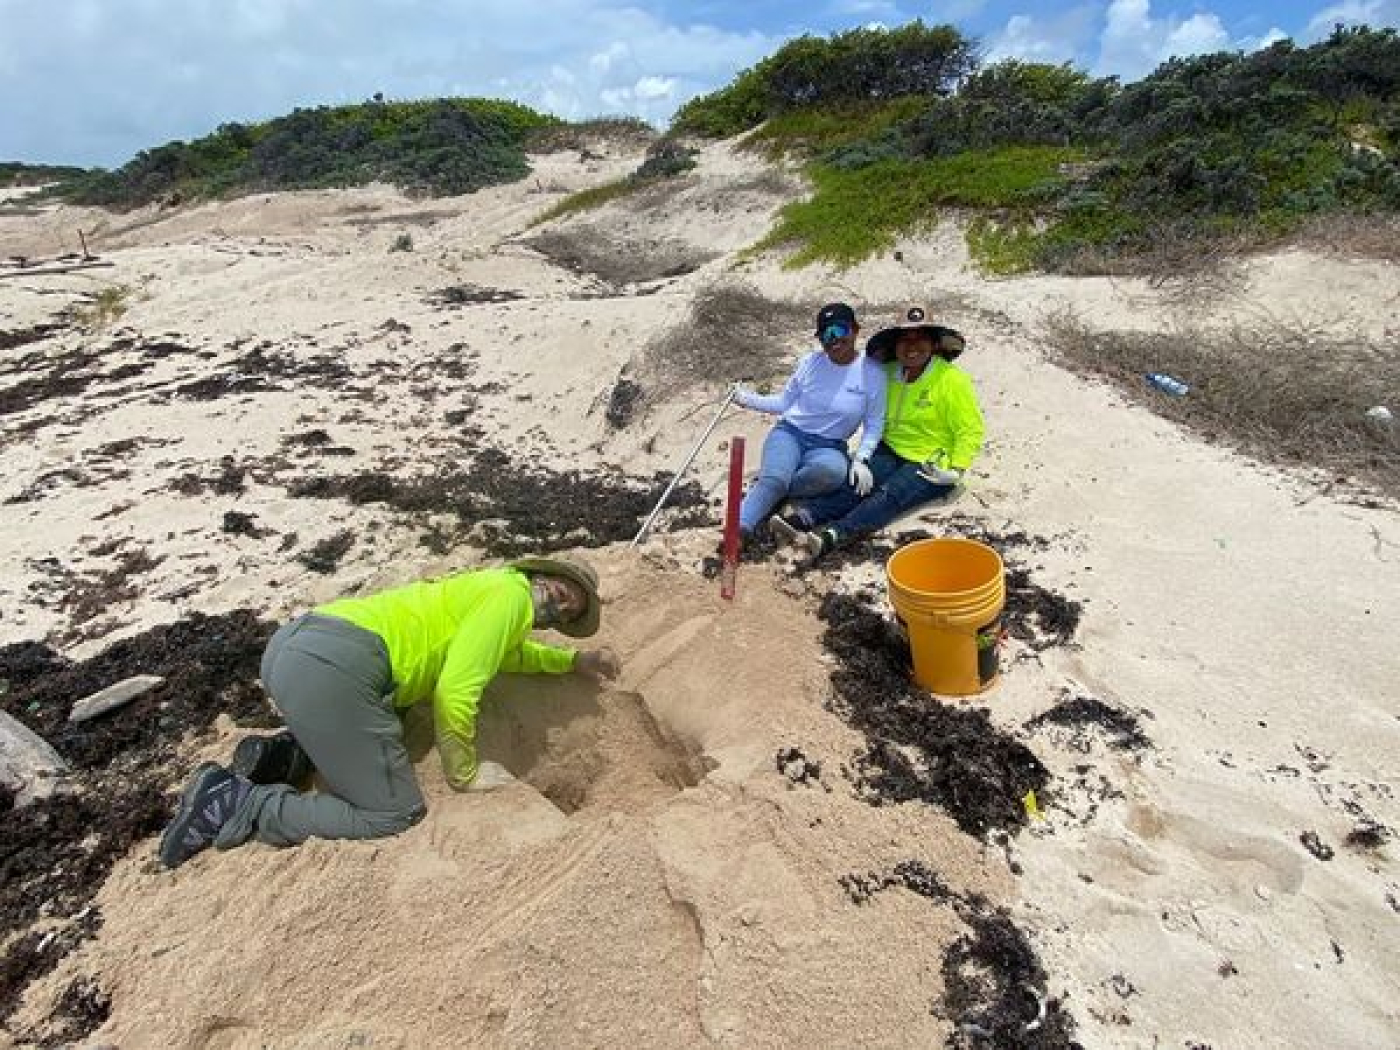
[[113, 696]]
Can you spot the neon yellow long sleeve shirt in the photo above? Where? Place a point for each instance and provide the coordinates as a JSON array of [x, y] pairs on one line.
[[936, 413], [447, 639]]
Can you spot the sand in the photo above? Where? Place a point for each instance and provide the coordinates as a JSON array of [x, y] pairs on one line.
[[653, 879]]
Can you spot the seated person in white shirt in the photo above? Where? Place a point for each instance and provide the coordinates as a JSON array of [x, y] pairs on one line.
[[832, 392]]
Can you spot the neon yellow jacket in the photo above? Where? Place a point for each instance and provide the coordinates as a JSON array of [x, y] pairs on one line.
[[935, 415], [447, 639]]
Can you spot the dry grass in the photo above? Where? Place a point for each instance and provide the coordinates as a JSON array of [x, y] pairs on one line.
[[1188, 272], [730, 333], [1353, 236], [586, 135], [1278, 392], [589, 249]]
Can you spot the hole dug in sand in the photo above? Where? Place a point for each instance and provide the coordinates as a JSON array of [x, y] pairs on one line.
[[585, 748]]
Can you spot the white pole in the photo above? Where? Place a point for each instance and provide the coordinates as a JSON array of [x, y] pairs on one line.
[[641, 533]]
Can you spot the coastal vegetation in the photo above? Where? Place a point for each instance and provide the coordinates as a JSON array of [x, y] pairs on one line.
[[439, 147], [1063, 171], [1054, 169]]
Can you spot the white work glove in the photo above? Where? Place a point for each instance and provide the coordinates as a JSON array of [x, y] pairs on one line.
[[489, 776], [598, 663], [938, 472], [741, 394], [860, 477]]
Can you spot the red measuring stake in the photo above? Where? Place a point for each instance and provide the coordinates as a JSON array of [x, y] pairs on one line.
[[729, 571]]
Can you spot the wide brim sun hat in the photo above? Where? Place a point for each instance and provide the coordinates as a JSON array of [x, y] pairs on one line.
[[581, 573], [948, 343]]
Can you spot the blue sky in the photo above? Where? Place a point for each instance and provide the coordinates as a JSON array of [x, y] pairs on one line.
[[91, 82]]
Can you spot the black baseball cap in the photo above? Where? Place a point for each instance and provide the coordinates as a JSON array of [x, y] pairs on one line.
[[835, 312]]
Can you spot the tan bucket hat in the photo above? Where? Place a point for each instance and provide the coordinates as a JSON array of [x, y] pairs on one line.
[[948, 343], [581, 573]]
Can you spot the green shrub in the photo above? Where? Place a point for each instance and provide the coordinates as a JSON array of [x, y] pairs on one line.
[[443, 146], [585, 200], [855, 213], [858, 66], [1002, 247], [666, 159], [823, 129]]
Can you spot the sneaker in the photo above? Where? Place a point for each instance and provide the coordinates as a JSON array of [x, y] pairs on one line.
[[746, 542], [275, 759], [211, 798], [820, 544], [788, 529]]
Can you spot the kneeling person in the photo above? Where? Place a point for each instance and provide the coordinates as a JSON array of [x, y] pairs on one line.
[[341, 674]]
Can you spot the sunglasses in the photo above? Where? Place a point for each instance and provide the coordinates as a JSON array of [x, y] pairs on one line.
[[834, 331]]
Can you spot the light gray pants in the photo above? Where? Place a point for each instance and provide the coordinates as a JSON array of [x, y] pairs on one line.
[[333, 685]]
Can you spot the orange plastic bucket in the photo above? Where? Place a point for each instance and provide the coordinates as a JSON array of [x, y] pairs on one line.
[[949, 594]]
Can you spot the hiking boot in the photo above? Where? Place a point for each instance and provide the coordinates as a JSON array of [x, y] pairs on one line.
[[820, 544], [788, 529], [210, 800], [275, 759]]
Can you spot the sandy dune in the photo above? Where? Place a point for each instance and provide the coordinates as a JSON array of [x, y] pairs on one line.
[[654, 880]]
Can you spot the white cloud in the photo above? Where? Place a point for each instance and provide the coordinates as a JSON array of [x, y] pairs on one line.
[[1273, 36], [1134, 43], [651, 88], [1056, 39], [602, 61], [117, 76], [1376, 13], [1199, 34]]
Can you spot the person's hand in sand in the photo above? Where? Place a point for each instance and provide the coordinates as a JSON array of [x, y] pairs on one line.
[[598, 664], [342, 674], [490, 776]]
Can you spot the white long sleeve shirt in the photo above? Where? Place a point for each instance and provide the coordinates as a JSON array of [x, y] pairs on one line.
[[830, 400]]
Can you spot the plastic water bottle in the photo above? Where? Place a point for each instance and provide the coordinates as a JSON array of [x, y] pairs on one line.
[[1168, 384]]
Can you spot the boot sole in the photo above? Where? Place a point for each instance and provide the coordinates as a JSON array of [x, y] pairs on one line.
[[249, 757], [253, 757]]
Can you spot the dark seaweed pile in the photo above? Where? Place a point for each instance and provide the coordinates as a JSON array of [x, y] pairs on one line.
[[993, 981], [264, 367], [622, 403], [919, 747], [56, 853], [521, 507], [323, 557], [66, 374], [1086, 715], [797, 767]]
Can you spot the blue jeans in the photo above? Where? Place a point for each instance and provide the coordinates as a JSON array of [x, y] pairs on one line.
[[795, 463], [899, 487]]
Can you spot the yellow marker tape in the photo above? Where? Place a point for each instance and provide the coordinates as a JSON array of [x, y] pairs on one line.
[[1032, 806]]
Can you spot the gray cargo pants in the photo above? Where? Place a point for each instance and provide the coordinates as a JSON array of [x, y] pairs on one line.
[[333, 685]]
